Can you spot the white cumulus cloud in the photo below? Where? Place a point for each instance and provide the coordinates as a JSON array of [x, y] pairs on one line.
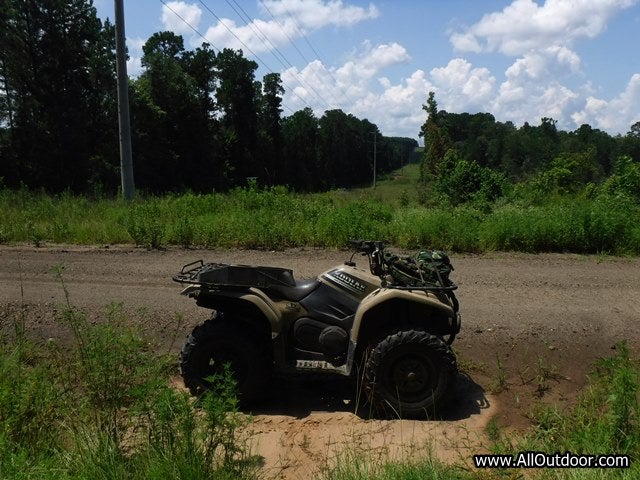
[[315, 14], [525, 25], [177, 16], [541, 39], [290, 19], [359, 87], [545, 76], [461, 86], [617, 114]]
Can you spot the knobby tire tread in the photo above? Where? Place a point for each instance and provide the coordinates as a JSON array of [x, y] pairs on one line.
[[440, 354]]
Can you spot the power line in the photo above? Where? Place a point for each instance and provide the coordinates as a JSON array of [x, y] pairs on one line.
[[236, 36], [284, 31], [304, 36], [215, 48], [189, 25], [265, 39], [252, 52], [271, 46], [248, 22], [297, 49]]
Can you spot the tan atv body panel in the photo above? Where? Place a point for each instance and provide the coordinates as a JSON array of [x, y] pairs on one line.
[[386, 294], [370, 293], [256, 297]]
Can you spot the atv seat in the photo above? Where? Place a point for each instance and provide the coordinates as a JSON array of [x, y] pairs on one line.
[[296, 293]]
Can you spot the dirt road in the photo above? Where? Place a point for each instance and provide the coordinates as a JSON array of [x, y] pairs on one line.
[[532, 327]]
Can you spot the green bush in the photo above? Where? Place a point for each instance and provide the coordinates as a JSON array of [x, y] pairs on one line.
[[145, 224], [625, 180], [448, 229], [461, 181], [30, 403], [564, 225]]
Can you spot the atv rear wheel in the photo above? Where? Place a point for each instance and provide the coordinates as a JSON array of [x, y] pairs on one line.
[[214, 344], [409, 373]]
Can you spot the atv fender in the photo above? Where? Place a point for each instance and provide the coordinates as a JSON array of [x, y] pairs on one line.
[[252, 301], [389, 308]]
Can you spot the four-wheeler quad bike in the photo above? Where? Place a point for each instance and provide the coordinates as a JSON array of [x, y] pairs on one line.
[[389, 327]]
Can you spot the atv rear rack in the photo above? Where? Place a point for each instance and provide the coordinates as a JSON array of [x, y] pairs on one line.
[[222, 274]]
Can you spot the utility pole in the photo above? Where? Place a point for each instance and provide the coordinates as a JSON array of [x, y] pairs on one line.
[[375, 136], [126, 161]]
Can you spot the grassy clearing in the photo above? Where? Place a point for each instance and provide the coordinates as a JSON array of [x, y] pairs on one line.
[[276, 218]]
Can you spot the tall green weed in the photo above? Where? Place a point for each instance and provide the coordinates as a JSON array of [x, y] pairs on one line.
[[145, 224], [453, 229], [606, 420], [29, 402], [593, 221], [600, 225], [104, 408]]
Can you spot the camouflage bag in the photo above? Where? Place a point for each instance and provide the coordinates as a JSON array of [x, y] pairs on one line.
[[427, 268]]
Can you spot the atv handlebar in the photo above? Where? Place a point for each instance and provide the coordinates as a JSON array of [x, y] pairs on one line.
[[374, 249], [367, 246]]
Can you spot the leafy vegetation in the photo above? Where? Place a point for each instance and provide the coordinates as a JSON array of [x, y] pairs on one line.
[[202, 122], [104, 408], [221, 168], [606, 420], [275, 218]]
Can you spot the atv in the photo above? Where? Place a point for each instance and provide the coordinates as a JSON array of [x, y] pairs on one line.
[[389, 327]]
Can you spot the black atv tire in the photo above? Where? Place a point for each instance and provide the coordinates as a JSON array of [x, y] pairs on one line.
[[408, 374], [218, 342]]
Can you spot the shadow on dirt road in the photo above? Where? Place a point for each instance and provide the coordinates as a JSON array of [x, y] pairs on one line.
[[300, 397]]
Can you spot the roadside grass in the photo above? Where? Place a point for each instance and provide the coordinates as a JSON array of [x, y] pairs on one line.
[[605, 420], [104, 408], [274, 218], [354, 465]]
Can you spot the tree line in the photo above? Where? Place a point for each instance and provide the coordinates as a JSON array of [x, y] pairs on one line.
[[474, 157], [200, 119]]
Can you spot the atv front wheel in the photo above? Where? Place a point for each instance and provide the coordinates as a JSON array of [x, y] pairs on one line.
[[215, 344], [409, 373]]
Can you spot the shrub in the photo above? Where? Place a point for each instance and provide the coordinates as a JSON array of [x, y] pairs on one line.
[[144, 224], [625, 180], [106, 409], [461, 180], [448, 229]]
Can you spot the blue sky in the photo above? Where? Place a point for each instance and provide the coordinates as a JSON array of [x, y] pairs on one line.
[[575, 61]]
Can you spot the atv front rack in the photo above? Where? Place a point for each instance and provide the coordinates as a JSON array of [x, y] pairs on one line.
[[222, 274]]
